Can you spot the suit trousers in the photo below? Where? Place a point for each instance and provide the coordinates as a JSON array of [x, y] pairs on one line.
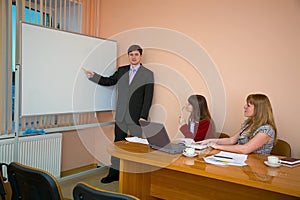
[[121, 132]]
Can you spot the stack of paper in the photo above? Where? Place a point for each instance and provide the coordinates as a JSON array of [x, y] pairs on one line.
[[185, 141], [198, 146], [188, 142], [227, 158], [137, 140]]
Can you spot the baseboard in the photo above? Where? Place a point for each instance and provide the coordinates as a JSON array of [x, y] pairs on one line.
[[81, 171], [78, 170]]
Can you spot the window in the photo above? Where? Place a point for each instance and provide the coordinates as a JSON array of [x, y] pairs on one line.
[[61, 14]]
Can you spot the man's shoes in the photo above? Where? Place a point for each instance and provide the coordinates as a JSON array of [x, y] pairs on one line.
[[109, 179]]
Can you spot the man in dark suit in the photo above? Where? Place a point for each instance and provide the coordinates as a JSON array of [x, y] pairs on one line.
[[135, 85]]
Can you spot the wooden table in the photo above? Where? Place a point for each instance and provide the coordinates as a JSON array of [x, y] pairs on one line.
[[150, 174]]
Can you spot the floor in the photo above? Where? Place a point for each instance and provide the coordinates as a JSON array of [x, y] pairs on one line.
[[92, 179]]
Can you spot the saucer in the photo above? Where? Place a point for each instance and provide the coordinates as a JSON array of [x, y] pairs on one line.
[[190, 156], [271, 165]]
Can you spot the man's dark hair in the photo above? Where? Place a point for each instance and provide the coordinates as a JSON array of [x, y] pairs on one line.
[[135, 47]]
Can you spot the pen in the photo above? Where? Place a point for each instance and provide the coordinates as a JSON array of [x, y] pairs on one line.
[[222, 157]]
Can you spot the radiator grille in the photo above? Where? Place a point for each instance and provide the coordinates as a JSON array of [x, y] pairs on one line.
[[40, 151]]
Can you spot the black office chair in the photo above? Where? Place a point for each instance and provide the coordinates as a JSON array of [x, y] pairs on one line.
[[224, 135], [2, 179], [84, 191], [281, 148], [29, 183]]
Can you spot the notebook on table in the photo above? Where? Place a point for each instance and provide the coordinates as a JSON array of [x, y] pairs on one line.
[[158, 137]]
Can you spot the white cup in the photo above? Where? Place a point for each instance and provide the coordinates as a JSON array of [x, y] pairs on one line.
[[273, 160], [189, 151]]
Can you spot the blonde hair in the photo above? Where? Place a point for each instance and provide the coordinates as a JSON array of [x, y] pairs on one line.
[[263, 113]]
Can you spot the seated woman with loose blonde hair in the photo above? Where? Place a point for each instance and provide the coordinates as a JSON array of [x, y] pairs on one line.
[[258, 131]]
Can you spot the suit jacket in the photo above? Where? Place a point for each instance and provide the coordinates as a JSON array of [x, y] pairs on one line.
[[133, 100]]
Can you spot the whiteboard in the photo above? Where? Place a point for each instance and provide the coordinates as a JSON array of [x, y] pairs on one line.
[[51, 77]]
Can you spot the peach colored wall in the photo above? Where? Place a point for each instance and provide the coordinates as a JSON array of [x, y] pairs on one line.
[[253, 45], [88, 146], [85, 147]]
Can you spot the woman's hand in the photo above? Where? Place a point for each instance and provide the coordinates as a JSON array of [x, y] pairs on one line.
[[181, 120], [207, 141], [212, 144]]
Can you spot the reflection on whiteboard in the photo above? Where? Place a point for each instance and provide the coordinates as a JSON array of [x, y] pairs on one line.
[[52, 81]]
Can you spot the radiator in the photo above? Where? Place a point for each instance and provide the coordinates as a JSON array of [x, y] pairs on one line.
[[39, 151]]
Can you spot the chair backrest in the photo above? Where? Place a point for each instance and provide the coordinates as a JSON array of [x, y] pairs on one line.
[[29, 183], [223, 135], [2, 179], [2, 190], [84, 191], [281, 148]]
